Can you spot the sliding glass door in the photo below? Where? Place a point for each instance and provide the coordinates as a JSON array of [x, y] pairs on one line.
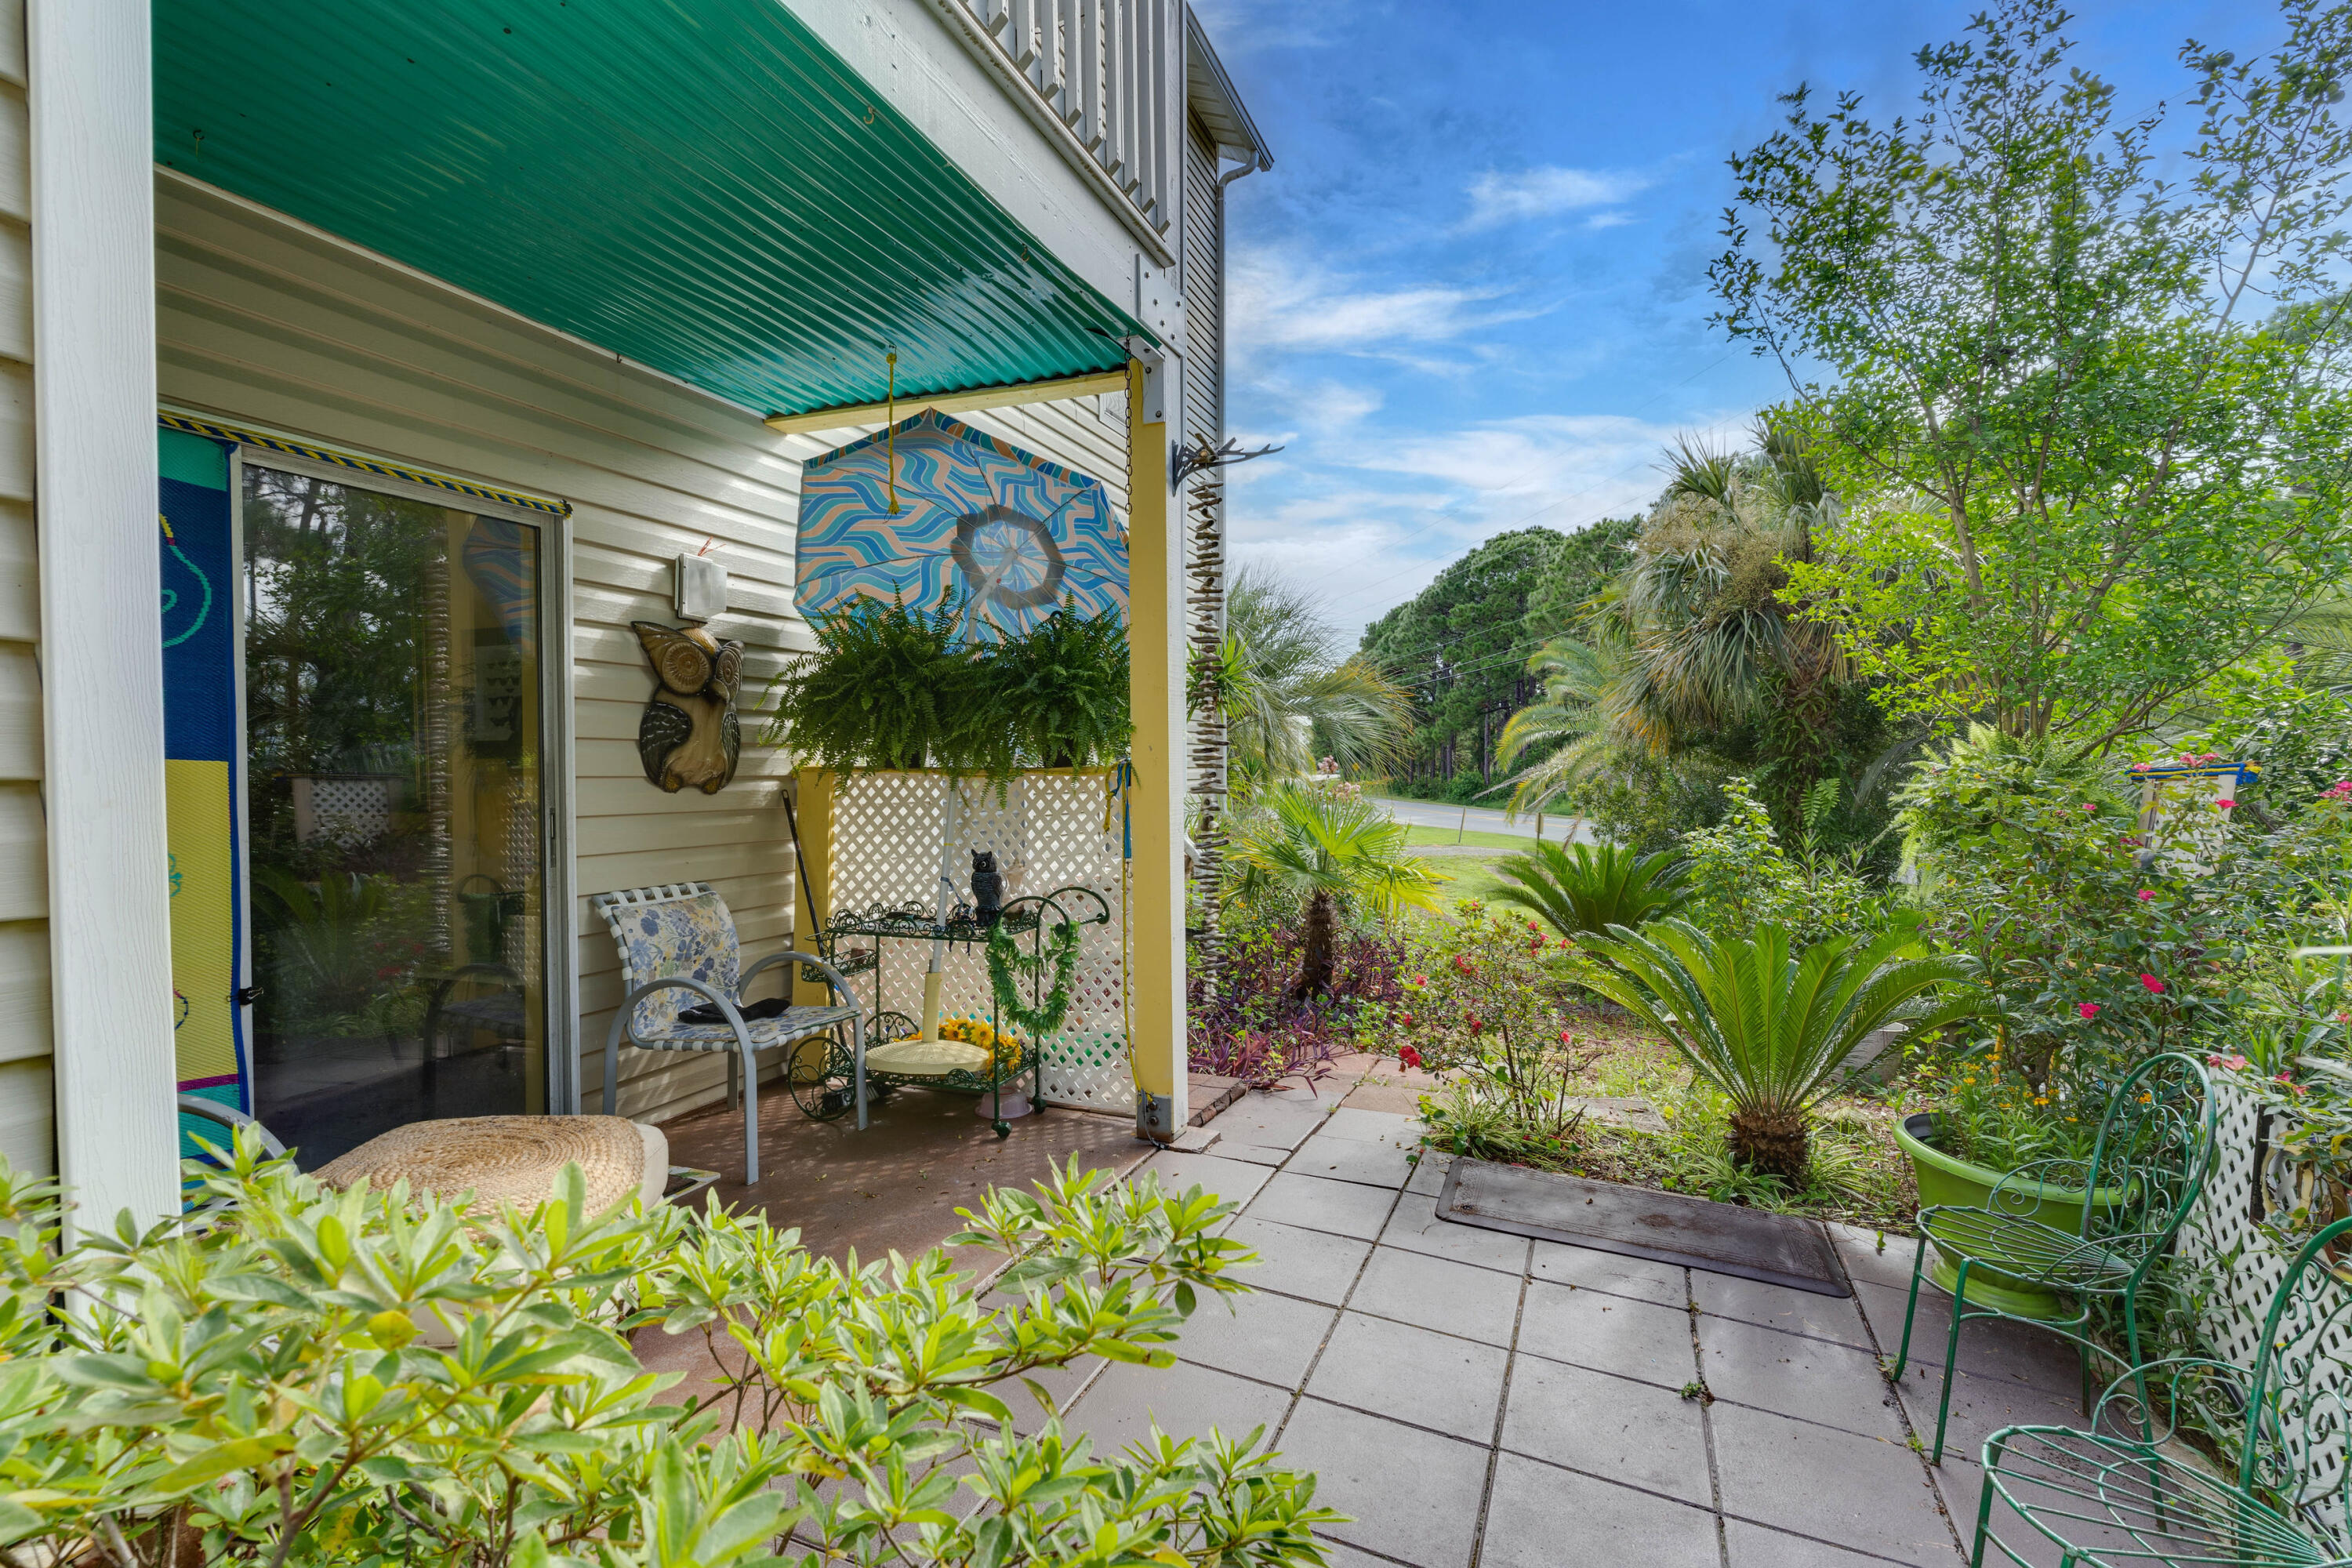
[[396, 809]]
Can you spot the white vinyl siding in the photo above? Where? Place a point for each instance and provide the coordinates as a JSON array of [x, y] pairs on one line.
[[1204, 291], [263, 321], [27, 1119]]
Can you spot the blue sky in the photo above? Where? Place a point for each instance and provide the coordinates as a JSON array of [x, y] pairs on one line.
[[1470, 294]]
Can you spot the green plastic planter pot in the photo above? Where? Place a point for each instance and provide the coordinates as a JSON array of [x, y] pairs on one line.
[[1946, 1179]]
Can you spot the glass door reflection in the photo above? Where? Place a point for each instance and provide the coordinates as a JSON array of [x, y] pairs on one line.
[[394, 739]]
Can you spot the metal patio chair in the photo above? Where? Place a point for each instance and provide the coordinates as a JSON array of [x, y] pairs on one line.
[[2153, 1153], [2279, 1502], [677, 943]]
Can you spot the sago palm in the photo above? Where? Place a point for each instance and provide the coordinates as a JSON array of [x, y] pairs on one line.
[[1591, 887], [1771, 1029], [1308, 844]]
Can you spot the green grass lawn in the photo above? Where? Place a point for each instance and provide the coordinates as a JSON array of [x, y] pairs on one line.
[[1464, 877]]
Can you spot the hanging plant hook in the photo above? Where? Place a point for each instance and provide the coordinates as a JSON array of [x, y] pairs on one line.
[[1185, 461]]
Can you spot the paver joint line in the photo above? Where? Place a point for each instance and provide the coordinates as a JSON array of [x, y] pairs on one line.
[[1401, 1281]]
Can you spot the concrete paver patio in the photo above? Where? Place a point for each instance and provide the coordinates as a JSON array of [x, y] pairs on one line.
[[1476, 1399]]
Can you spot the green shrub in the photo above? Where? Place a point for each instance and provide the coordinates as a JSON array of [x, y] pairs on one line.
[[1741, 879], [302, 1377]]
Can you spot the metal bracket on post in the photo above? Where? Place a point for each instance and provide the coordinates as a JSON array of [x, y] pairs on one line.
[[1155, 1116]]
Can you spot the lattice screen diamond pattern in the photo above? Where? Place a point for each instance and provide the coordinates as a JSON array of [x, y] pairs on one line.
[[1048, 831], [2236, 1267]]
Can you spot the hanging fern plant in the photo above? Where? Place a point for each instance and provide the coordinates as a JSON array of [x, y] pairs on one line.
[[887, 687], [884, 687], [1060, 691]]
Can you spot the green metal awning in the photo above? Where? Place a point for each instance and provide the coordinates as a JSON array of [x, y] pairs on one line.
[[700, 185]]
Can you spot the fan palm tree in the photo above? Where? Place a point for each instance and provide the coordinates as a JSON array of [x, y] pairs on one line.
[[1288, 701], [1324, 850], [1692, 639], [1592, 887], [1770, 1029]]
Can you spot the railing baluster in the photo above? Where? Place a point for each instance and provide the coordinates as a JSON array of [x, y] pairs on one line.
[[1052, 73], [1090, 74], [1110, 70], [1022, 40], [1163, 65]]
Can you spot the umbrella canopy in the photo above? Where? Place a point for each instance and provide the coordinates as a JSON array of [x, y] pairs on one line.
[[979, 523]]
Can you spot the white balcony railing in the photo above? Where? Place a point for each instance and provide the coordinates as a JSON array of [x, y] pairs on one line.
[[1109, 73]]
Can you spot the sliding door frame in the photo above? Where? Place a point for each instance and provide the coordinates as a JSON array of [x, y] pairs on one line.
[[558, 956]]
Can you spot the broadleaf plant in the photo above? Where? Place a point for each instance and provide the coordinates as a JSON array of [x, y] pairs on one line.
[[296, 1377]]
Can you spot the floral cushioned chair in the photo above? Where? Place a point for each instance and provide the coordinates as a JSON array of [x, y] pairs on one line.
[[679, 950]]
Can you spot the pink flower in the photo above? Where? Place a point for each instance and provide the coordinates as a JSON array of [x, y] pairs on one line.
[[2224, 804], [2342, 790], [2087, 1009], [2146, 894], [2155, 986], [2088, 808], [2210, 757], [2187, 761], [2142, 767], [2234, 1064], [1566, 1038]]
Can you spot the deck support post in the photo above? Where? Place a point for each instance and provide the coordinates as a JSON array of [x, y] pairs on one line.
[[1156, 1024]]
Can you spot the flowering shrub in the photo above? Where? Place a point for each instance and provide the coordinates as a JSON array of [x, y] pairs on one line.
[[1487, 1002], [1253, 1028]]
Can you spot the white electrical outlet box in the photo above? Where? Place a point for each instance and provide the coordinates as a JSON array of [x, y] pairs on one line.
[[701, 588]]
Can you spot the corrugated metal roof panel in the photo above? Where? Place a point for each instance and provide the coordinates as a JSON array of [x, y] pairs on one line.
[[700, 185]]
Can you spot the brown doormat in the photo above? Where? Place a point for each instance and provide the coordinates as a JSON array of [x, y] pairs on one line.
[[1666, 1228]]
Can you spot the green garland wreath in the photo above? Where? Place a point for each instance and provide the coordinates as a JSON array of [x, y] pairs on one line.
[[1007, 967]]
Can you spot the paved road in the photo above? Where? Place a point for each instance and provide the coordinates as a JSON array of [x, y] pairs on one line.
[[1481, 819]]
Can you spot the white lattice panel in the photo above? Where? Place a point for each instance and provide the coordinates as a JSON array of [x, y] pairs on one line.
[[1048, 831], [2235, 1266]]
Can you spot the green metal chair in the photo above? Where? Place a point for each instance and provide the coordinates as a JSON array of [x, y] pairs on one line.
[[2280, 1501], [2153, 1153]]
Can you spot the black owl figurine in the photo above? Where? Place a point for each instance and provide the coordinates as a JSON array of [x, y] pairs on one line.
[[987, 888]]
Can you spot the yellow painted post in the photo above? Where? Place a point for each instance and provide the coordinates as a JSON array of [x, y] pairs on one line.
[[1156, 800], [813, 903]]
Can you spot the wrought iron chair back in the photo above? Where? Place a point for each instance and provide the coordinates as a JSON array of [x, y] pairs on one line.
[[2301, 1406], [2154, 1152]]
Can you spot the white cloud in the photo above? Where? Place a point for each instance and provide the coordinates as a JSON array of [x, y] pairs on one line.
[[1366, 518], [1608, 220], [1242, 27], [1281, 302], [1498, 198]]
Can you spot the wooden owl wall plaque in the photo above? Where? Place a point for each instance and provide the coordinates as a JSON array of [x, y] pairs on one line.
[[690, 734]]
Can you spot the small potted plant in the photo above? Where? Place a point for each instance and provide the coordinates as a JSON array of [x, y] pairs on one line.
[[1991, 1124]]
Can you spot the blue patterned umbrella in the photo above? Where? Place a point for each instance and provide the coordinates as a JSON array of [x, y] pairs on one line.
[[979, 523]]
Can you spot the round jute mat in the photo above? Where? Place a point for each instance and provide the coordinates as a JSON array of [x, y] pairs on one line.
[[501, 1159]]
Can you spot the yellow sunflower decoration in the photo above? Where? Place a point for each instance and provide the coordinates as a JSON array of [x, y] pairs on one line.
[[1004, 1046]]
